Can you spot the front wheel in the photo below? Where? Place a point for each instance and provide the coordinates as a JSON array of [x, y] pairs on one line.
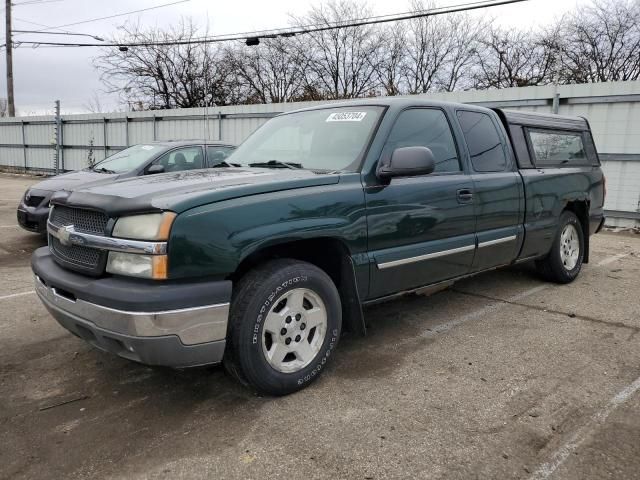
[[286, 319], [564, 261]]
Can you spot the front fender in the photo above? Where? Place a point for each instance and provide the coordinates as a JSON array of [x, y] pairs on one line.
[[212, 240]]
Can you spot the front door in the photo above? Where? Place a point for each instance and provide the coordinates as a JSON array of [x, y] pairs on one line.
[[421, 229]]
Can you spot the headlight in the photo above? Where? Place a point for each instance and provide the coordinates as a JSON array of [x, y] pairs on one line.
[[135, 265], [150, 226]]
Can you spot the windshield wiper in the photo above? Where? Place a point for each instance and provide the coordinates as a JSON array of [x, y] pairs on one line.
[[103, 170], [226, 164], [277, 163]]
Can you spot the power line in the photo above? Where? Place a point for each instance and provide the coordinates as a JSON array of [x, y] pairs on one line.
[[390, 17], [31, 2], [115, 16], [253, 38], [43, 32], [38, 24]]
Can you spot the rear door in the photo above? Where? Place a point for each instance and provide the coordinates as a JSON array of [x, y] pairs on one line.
[[421, 228], [498, 190]]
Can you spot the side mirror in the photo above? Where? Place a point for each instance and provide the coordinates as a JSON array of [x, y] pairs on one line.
[[155, 169], [408, 162]]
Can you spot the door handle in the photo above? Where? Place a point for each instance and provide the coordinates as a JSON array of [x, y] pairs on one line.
[[465, 195]]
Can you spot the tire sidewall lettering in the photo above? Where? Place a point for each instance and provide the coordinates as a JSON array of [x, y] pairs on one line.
[[293, 282]]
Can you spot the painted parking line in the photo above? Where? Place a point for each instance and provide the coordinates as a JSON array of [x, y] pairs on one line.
[[8, 226], [14, 295], [611, 259], [560, 456]]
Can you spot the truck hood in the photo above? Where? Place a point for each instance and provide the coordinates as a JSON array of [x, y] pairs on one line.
[[181, 191], [74, 180]]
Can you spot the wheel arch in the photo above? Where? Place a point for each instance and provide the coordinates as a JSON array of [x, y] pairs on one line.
[[581, 210], [329, 254]]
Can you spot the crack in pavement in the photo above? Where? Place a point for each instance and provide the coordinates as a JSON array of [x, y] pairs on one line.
[[550, 310]]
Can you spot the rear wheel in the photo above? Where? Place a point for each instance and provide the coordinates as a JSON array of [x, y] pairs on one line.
[[564, 261], [286, 320]]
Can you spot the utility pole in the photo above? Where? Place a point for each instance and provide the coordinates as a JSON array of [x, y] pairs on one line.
[[9, 45], [58, 133]]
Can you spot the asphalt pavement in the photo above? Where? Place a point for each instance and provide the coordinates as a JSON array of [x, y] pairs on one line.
[[500, 376]]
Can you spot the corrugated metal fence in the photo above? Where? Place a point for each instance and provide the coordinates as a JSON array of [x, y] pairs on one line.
[[612, 108]]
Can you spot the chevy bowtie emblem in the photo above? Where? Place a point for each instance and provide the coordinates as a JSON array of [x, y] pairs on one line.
[[64, 235]]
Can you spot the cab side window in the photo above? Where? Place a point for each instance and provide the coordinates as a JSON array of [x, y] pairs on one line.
[[217, 154], [186, 158], [426, 127], [557, 149], [484, 144]]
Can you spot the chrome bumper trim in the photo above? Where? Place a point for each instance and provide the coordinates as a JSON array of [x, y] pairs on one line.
[[192, 325], [68, 236]]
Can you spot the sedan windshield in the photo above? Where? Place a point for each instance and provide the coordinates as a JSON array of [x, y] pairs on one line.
[[129, 159], [326, 140]]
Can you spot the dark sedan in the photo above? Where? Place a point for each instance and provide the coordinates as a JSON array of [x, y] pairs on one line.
[[143, 159]]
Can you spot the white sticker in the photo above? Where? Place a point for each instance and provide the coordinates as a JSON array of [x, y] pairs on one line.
[[147, 147], [346, 117]]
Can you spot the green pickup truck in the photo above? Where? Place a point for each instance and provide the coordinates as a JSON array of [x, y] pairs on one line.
[[263, 262]]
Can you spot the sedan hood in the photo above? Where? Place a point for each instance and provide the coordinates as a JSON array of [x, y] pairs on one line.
[[181, 191], [71, 180]]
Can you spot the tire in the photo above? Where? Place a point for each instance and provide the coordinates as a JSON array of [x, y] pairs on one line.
[[563, 263], [285, 322]]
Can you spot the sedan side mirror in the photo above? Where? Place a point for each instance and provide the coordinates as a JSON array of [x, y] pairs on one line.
[[408, 162], [155, 169]]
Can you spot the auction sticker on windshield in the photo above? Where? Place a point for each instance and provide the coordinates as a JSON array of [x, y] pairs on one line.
[[346, 117], [147, 147]]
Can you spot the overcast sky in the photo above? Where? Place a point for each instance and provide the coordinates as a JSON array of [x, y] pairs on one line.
[[42, 75]]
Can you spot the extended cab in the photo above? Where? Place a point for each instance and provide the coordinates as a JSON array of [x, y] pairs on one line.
[[261, 266]]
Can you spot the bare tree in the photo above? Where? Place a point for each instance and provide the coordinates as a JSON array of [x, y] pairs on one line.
[[272, 71], [427, 50], [340, 62], [508, 58], [4, 108], [448, 52], [167, 76], [390, 68], [438, 50], [94, 104], [464, 34], [601, 42]]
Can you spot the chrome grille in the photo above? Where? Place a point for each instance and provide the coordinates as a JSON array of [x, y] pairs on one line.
[[78, 257], [86, 257], [88, 221]]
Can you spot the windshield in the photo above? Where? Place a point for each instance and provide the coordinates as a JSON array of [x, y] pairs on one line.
[[129, 158], [330, 139]]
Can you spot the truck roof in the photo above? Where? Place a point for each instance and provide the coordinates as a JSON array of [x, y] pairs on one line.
[[532, 119], [543, 120]]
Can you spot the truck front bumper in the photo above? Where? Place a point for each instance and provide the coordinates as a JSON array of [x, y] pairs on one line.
[[174, 324]]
